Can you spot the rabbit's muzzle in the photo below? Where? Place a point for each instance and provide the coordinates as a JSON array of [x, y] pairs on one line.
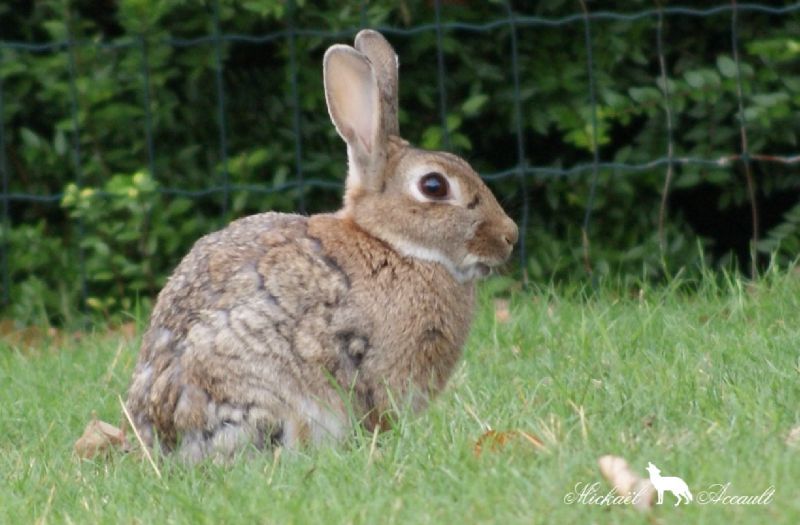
[[492, 244]]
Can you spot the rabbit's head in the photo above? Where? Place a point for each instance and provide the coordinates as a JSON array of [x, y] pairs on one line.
[[428, 205]]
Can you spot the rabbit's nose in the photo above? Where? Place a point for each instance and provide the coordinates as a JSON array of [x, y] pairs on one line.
[[510, 233]]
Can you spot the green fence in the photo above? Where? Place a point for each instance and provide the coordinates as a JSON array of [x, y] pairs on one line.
[[583, 23]]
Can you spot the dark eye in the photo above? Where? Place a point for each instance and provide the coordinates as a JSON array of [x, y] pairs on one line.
[[434, 185]]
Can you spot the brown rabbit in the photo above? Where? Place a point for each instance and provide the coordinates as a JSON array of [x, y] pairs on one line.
[[283, 329]]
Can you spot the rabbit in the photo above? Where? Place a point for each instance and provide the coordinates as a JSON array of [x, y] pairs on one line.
[[284, 330]]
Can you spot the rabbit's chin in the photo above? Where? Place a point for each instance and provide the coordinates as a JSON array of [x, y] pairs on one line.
[[477, 267], [482, 270], [474, 271]]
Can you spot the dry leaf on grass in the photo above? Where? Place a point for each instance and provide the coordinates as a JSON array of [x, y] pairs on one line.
[[502, 312], [100, 437], [494, 440], [626, 482], [35, 336], [793, 437], [16, 334], [127, 330]]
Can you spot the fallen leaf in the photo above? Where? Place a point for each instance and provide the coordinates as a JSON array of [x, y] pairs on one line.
[[502, 313], [26, 337], [626, 482], [494, 441], [793, 437], [128, 330], [551, 311], [99, 437]]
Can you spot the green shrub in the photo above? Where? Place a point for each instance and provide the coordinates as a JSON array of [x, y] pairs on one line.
[[134, 211]]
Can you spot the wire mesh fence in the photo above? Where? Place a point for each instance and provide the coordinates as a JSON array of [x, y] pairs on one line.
[[583, 22]]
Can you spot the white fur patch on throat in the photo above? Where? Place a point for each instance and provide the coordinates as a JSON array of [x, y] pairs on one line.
[[410, 249]]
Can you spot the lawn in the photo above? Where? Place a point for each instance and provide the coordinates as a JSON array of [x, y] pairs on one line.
[[705, 384]]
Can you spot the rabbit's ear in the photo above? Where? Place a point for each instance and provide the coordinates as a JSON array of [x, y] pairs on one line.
[[385, 64], [354, 103]]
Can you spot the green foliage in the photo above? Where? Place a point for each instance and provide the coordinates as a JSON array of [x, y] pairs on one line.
[[130, 236], [783, 241], [38, 257], [134, 74]]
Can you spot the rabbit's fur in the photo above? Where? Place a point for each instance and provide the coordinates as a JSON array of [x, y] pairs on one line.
[[283, 329]]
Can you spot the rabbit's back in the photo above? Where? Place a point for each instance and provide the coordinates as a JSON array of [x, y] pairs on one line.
[[226, 359]]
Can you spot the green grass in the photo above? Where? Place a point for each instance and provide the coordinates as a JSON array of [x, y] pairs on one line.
[[704, 384]]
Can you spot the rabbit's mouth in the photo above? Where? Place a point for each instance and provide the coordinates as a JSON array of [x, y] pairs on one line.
[[482, 270], [476, 270], [475, 266]]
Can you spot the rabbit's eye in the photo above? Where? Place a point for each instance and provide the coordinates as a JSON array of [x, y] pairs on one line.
[[434, 185]]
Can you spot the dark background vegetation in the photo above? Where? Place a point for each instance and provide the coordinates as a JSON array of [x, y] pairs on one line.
[[145, 175]]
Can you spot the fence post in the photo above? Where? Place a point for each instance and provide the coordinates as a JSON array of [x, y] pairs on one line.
[[76, 152], [363, 14], [522, 161], [745, 153], [595, 151], [5, 243], [440, 74], [148, 120], [662, 211], [296, 125], [221, 118]]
